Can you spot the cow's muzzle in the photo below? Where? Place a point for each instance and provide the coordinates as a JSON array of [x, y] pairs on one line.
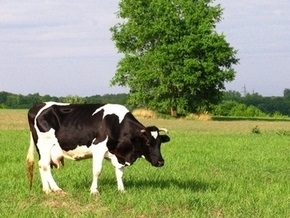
[[159, 164]]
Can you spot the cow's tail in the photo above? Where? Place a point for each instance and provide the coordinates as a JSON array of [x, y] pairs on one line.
[[30, 161]]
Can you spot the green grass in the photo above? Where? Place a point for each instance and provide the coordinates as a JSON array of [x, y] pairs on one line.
[[212, 169], [228, 118]]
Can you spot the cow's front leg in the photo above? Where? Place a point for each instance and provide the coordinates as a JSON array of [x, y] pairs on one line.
[[99, 150], [118, 171], [119, 175], [97, 168]]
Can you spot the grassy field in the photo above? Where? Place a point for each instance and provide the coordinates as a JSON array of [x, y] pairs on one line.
[[212, 169]]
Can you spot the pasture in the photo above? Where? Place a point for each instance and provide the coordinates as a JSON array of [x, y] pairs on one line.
[[212, 169]]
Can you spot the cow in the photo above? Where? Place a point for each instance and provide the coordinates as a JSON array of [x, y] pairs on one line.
[[81, 131]]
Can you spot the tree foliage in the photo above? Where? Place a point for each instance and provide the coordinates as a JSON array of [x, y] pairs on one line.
[[173, 57], [254, 104], [286, 93]]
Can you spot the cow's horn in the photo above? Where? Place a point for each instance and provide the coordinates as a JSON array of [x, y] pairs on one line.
[[163, 130]]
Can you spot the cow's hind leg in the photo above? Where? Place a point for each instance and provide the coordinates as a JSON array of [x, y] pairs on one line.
[[48, 183]]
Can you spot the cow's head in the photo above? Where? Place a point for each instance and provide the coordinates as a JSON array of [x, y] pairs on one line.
[[150, 144], [146, 142]]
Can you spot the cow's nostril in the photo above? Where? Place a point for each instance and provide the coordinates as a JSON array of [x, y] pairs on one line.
[[160, 163]]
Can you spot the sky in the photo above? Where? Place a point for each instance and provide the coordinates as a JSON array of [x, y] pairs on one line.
[[60, 47]]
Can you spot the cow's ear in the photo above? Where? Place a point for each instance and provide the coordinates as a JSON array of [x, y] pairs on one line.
[[164, 138]]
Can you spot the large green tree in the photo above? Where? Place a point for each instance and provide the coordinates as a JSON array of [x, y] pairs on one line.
[[174, 59]]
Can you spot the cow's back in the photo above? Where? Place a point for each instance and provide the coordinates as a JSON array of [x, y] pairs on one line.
[[68, 121]]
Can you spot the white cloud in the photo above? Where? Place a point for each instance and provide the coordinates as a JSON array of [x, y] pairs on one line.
[[56, 28]]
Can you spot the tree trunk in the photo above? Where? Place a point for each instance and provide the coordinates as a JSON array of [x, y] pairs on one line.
[[173, 112]]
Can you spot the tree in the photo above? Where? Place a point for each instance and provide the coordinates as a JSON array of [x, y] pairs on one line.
[[3, 97], [173, 57], [12, 101], [73, 99], [224, 108], [231, 95], [286, 93]]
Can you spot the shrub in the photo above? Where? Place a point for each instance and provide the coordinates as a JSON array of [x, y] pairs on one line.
[[256, 130], [145, 113], [235, 109]]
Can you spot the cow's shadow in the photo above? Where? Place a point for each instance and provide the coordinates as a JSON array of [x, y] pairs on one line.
[[160, 183], [168, 183]]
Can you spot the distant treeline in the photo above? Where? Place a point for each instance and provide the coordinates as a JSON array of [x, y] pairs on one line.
[[233, 103], [253, 105], [15, 101]]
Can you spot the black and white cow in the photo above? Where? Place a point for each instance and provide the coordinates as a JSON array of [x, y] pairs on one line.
[[80, 131]]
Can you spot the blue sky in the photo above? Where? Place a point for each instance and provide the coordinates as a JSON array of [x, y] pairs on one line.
[[64, 48]]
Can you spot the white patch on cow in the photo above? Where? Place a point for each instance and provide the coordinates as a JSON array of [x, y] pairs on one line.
[[79, 153], [56, 155], [154, 134], [116, 109], [47, 138]]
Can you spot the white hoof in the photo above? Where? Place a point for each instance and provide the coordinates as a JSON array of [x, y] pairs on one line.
[[95, 192]]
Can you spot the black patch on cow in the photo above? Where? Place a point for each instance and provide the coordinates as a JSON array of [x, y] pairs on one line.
[[164, 138]]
